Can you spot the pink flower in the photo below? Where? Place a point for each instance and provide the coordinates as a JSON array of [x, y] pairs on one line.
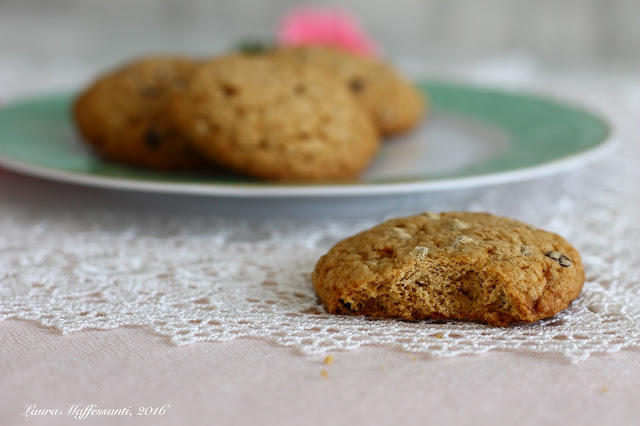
[[327, 27]]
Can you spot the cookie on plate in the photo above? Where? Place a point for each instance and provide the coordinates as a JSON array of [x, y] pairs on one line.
[[467, 266], [392, 102], [122, 115], [274, 120]]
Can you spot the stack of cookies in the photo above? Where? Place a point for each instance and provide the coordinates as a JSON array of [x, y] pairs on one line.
[[293, 114]]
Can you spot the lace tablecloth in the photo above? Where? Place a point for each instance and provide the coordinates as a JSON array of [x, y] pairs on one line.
[[78, 258]]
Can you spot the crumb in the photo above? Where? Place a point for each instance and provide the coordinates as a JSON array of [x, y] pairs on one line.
[[439, 335], [324, 374], [604, 389], [383, 367], [328, 360], [414, 358]]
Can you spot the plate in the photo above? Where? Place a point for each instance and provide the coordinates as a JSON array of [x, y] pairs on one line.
[[472, 136]]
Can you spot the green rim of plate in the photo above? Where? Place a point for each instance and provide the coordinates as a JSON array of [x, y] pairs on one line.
[[37, 137]]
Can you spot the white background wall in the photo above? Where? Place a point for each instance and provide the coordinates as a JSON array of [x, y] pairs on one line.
[[564, 33]]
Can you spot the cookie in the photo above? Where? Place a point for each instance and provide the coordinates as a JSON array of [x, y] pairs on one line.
[[275, 121], [466, 266], [393, 103], [122, 115]]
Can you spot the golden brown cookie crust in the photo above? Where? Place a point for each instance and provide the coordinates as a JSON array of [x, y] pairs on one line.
[[122, 115], [274, 120], [457, 265], [392, 102]]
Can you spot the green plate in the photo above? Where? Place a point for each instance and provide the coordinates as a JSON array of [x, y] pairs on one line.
[[472, 136]]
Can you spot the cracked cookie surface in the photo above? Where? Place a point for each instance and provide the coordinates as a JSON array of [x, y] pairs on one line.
[[122, 115], [455, 265], [274, 120]]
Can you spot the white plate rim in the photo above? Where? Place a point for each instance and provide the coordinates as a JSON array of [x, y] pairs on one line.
[[555, 166]]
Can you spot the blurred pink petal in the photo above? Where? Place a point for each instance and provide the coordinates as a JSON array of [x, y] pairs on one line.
[[328, 27]]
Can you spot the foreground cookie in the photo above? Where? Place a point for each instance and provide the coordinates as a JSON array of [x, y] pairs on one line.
[[394, 105], [122, 115], [275, 121], [471, 266]]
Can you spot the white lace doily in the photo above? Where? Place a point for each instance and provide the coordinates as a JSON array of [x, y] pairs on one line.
[[196, 278]]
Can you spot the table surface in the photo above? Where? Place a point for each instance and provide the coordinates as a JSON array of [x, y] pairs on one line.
[[247, 382], [254, 381]]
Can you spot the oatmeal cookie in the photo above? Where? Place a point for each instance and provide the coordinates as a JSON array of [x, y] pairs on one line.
[[392, 102], [274, 120], [467, 266], [122, 115]]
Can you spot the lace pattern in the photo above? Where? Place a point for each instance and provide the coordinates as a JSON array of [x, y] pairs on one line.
[[193, 277]]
